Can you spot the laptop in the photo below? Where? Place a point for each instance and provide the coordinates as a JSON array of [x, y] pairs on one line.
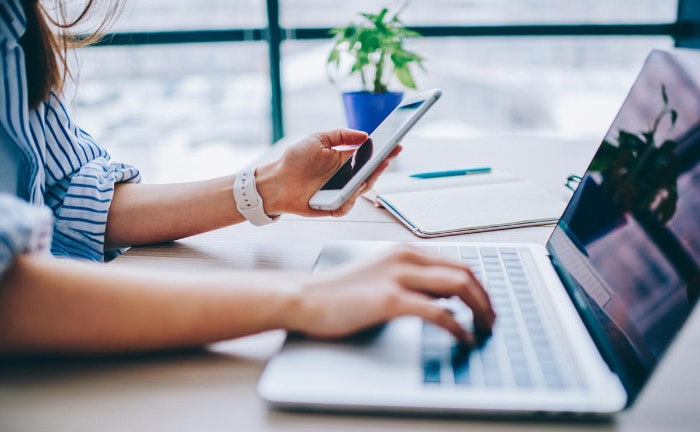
[[582, 322]]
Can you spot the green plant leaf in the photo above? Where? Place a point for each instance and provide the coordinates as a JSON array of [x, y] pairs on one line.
[[404, 76], [402, 57], [369, 42], [350, 32], [404, 32], [334, 57], [379, 20]]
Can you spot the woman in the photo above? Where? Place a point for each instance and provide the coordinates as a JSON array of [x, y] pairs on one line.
[[59, 190]]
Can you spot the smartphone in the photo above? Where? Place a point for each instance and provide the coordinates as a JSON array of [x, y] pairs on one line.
[[367, 157]]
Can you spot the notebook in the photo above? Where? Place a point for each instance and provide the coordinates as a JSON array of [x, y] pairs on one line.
[[463, 204], [582, 323]]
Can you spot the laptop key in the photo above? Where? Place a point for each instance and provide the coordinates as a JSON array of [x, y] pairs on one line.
[[488, 252], [451, 252], [523, 381], [469, 252], [508, 251], [492, 377]]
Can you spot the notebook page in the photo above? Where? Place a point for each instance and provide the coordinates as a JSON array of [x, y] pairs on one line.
[[475, 207]]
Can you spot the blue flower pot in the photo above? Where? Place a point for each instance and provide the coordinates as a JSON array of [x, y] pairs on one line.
[[365, 111]]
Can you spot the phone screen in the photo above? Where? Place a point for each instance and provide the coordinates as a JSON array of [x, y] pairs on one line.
[[380, 138]]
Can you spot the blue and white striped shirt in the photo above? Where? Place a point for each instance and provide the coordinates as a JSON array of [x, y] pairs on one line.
[[23, 229], [57, 164]]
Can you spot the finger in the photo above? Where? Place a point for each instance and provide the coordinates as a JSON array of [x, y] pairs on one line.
[[422, 306], [372, 179], [398, 149], [342, 210], [348, 204], [441, 281], [337, 137], [445, 280], [383, 166], [317, 213], [358, 193], [414, 255]]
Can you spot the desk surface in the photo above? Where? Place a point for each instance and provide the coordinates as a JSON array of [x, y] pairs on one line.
[[214, 389]]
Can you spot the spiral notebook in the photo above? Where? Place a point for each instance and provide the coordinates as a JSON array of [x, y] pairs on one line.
[[465, 204]]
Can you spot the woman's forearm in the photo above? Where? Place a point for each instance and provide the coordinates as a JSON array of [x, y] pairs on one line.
[[146, 214], [153, 213], [49, 305]]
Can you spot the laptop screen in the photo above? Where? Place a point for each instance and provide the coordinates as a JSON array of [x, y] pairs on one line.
[[628, 244]]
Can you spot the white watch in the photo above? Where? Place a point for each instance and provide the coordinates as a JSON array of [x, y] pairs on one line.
[[248, 200]]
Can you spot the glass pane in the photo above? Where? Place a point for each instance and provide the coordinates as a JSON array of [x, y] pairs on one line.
[[569, 87], [331, 13], [144, 15], [179, 112]]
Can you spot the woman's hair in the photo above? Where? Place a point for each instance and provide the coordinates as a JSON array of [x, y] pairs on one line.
[[48, 38]]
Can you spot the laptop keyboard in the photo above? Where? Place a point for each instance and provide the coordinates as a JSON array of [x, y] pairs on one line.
[[521, 352]]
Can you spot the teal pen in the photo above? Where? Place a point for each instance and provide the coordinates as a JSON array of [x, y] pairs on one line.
[[434, 174]]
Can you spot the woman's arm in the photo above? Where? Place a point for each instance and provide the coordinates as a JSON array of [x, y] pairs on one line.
[[61, 305], [52, 305], [143, 214], [154, 213]]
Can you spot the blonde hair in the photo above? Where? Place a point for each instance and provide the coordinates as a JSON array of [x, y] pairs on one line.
[[48, 38]]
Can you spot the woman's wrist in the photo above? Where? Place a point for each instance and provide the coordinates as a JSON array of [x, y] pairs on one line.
[[291, 312], [270, 189]]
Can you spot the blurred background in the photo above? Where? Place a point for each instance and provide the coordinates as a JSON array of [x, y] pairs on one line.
[[189, 89]]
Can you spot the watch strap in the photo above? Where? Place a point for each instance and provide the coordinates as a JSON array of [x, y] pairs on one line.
[[248, 201]]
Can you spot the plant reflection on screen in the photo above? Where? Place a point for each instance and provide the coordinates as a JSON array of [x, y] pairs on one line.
[[639, 175]]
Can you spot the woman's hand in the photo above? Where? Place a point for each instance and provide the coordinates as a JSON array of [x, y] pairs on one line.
[[404, 281], [287, 184]]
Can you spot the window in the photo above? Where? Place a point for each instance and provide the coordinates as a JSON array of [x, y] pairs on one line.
[[200, 105], [214, 99]]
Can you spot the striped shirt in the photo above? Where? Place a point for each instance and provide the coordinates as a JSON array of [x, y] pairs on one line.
[[57, 165], [23, 229]]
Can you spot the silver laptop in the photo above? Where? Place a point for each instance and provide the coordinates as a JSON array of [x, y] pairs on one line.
[[582, 322]]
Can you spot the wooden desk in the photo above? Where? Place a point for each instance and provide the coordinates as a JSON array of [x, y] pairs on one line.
[[215, 389]]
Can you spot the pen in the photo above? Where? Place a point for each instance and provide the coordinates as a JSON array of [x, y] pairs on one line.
[[451, 173]]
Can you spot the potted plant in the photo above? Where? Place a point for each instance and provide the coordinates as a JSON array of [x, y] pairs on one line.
[[376, 48]]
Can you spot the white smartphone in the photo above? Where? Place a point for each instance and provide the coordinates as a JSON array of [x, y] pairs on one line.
[[367, 157]]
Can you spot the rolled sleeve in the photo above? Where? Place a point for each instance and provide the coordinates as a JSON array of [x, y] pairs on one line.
[[81, 219], [23, 229], [80, 186]]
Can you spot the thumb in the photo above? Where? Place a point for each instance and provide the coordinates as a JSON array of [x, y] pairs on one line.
[[343, 136]]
